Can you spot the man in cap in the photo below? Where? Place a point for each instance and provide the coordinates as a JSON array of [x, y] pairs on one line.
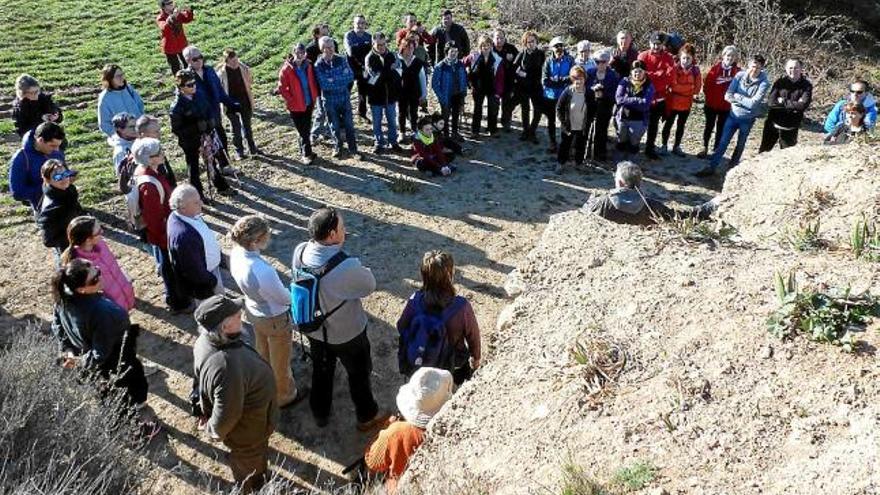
[[236, 390]]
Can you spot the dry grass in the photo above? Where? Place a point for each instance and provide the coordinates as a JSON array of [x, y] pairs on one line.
[[599, 362]]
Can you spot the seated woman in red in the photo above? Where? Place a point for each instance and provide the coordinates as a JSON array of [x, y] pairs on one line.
[[428, 154]]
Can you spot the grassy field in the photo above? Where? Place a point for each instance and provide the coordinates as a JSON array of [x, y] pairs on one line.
[[67, 43]]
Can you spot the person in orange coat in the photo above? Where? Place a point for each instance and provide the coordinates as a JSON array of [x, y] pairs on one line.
[[419, 400], [684, 84]]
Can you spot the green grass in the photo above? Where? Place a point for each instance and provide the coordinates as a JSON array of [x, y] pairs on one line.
[[67, 42], [634, 477]]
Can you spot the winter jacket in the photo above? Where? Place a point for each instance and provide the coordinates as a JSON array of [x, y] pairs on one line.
[[121, 148], [25, 180], [448, 80], [532, 64], [555, 75], [236, 390], [625, 205], [58, 208], [456, 33], [291, 89], [837, 116], [349, 282], [715, 86], [28, 114], [334, 79], [114, 101], [383, 80], [187, 252], [508, 54], [475, 65], [609, 85], [747, 97], [208, 84], [413, 79], [115, 283], [659, 67], [357, 47], [154, 209], [683, 86], [173, 38], [621, 61], [92, 326], [563, 109], [632, 105], [190, 118], [245, 75], [428, 157], [787, 102]]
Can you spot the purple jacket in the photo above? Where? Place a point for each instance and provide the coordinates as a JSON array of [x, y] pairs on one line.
[[632, 105]]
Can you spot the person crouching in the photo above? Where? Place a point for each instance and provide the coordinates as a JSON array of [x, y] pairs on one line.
[[428, 155]]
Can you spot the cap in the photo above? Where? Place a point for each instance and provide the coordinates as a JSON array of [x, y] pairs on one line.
[[583, 46], [657, 37], [213, 310], [559, 40]]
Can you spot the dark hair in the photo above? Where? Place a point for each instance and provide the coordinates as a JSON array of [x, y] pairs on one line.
[[229, 52], [446, 13], [449, 46], [425, 120], [323, 222], [184, 76], [49, 131], [436, 117], [760, 59], [68, 278], [107, 75], [855, 107], [316, 31], [638, 64], [121, 120], [79, 230], [49, 166], [437, 288]]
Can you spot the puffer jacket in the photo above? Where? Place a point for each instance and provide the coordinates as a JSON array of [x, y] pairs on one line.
[[659, 67], [448, 80], [115, 283], [632, 105], [556, 75], [717, 81], [683, 86], [291, 89]]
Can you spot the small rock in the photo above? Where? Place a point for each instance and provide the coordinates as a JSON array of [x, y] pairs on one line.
[[766, 352]]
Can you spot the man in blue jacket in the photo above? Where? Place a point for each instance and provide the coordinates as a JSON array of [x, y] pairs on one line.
[[37, 146], [555, 80], [208, 85], [858, 93], [335, 78]]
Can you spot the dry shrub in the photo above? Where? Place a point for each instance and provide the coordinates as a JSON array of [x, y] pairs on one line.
[[54, 434]]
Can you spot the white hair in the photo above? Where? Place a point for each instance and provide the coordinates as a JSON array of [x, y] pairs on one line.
[[628, 173], [143, 148], [730, 50], [179, 195], [24, 83], [603, 54], [325, 41], [190, 51]]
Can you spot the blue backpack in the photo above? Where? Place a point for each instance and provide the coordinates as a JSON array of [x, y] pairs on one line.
[[305, 303], [423, 342]]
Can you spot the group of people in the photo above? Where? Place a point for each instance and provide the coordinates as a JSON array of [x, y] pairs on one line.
[[241, 382]]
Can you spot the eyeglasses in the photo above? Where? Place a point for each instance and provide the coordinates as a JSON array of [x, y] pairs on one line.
[[197, 58]]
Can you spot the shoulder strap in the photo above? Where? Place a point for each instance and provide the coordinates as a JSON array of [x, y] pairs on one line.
[[453, 308], [148, 179]]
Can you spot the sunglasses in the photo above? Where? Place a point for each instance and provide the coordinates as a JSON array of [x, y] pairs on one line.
[[188, 85], [64, 174], [857, 92], [95, 278]]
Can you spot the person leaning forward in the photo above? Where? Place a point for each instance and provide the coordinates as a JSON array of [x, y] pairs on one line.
[[236, 390]]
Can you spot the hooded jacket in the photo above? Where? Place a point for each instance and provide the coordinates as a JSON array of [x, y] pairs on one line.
[[683, 86], [116, 285], [28, 114], [114, 101], [718, 79], [475, 66], [383, 79], [25, 181], [747, 96], [837, 116], [173, 38], [632, 105], [290, 86], [58, 208], [448, 80], [555, 75], [659, 67], [625, 205]]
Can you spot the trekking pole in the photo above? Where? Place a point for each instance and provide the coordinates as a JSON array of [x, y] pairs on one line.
[[355, 465]]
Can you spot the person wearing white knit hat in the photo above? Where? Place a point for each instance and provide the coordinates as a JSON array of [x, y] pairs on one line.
[[584, 56], [418, 401]]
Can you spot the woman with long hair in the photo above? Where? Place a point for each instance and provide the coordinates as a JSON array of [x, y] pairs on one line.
[[85, 236]]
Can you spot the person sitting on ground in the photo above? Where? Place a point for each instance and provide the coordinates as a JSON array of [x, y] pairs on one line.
[[427, 152], [31, 106], [148, 126], [528, 68], [684, 84], [628, 205], [237, 81], [267, 303], [154, 191], [25, 169], [462, 351], [95, 334], [571, 109], [859, 92], [60, 204], [343, 336], [419, 400], [716, 108], [236, 391], [448, 30], [124, 134], [485, 70], [449, 82], [383, 80], [117, 97], [170, 21], [299, 88], [789, 98], [85, 236], [634, 96], [602, 82], [445, 143], [852, 127], [195, 252]]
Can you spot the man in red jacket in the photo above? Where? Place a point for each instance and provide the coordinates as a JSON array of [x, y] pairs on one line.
[[171, 20], [659, 66]]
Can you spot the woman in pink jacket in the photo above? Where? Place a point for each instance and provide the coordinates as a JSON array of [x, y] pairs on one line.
[[84, 234]]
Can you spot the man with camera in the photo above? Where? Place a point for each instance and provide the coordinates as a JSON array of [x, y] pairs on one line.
[[171, 20]]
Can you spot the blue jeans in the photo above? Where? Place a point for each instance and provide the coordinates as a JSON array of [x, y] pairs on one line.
[[339, 115], [390, 111], [733, 124], [320, 124]]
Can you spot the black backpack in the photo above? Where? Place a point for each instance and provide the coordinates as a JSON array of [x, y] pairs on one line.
[[126, 172]]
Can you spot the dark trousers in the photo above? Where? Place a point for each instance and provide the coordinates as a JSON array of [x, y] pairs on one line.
[[657, 111], [408, 108], [176, 62], [130, 369], [175, 298], [604, 109], [303, 123], [355, 358], [773, 135], [508, 104], [681, 118], [579, 139], [491, 117], [193, 157], [452, 112], [528, 103], [241, 128], [550, 112], [362, 87], [715, 119]]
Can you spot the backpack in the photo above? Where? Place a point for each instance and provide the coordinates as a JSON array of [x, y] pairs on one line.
[[305, 303], [126, 171], [423, 342], [133, 200]]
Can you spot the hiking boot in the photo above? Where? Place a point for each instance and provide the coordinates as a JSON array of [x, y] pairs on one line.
[[705, 172], [651, 154], [255, 151], [396, 148], [677, 151], [378, 421], [228, 192], [703, 153], [378, 150], [228, 171]]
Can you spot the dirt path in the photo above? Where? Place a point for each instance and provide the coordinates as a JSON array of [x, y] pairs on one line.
[[488, 216]]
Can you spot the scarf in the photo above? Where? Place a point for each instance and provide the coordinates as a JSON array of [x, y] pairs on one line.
[[209, 240], [427, 141], [637, 85]]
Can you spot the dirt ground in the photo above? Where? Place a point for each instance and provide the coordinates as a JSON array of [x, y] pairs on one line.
[[489, 216]]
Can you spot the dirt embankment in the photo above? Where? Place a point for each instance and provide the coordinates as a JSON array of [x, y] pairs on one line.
[[707, 397]]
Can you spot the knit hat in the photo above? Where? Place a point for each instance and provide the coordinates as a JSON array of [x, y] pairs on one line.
[[603, 54], [213, 310], [583, 46], [559, 40], [423, 396]]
